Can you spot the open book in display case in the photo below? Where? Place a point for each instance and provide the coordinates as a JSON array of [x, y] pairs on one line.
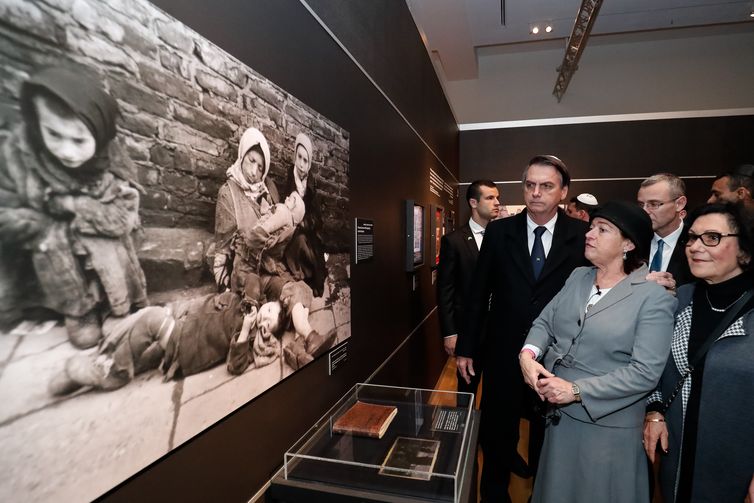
[[426, 452]]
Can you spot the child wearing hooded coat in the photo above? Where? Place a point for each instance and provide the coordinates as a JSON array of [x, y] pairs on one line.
[[68, 207]]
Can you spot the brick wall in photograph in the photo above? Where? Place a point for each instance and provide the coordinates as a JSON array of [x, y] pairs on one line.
[[184, 104]]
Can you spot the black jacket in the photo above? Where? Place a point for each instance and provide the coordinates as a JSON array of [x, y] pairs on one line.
[[504, 270], [458, 256]]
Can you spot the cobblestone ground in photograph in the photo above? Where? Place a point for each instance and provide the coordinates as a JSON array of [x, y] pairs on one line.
[[74, 448]]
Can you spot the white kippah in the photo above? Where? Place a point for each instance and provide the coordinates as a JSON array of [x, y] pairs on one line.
[[587, 199]]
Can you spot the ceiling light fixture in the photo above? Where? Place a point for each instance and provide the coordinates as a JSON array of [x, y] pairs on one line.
[[535, 29], [582, 27], [548, 28]]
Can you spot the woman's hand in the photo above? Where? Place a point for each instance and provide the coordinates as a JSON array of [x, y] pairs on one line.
[[655, 429], [750, 494], [664, 279], [555, 390], [532, 369]]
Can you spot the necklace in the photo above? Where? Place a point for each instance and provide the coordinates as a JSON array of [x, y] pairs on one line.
[[717, 310]]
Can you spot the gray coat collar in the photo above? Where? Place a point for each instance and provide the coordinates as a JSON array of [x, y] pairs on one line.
[[620, 291]]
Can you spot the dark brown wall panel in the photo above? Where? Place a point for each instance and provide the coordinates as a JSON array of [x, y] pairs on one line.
[[686, 147]]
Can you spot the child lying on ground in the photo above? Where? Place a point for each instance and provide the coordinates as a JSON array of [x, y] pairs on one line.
[[188, 336]]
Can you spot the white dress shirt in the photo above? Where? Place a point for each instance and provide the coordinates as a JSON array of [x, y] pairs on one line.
[[546, 236], [669, 245], [478, 232]]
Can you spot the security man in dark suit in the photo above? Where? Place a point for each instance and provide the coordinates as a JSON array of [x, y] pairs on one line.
[[458, 253], [524, 261], [663, 197]]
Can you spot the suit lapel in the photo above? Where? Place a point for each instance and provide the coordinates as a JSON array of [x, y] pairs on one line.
[[520, 246], [559, 249], [584, 290], [623, 289], [469, 241]]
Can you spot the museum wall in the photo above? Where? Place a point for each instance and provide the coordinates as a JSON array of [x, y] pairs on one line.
[[599, 152], [391, 310]]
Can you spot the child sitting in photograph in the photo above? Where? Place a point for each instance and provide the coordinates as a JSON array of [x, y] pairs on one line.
[[68, 207]]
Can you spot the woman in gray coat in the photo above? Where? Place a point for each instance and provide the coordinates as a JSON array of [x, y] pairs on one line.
[[593, 355], [703, 423]]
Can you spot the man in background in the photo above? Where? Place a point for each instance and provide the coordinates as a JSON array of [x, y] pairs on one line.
[[581, 206], [523, 262], [458, 254], [663, 197], [735, 186]]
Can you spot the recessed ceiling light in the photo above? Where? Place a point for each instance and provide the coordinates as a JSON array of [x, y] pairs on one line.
[[535, 30], [548, 28], [751, 14]]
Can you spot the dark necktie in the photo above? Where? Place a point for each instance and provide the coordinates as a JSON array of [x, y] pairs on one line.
[[538, 251], [656, 264]]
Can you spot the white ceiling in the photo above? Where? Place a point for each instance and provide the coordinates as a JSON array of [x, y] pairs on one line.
[[486, 56]]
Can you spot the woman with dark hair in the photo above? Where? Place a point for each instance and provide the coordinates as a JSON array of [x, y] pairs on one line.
[[594, 353], [701, 413], [304, 255]]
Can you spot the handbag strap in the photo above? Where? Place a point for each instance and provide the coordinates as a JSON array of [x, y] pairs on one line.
[[731, 315]]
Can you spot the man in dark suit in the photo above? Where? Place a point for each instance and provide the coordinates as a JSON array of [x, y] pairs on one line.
[[663, 197], [524, 261], [458, 254]]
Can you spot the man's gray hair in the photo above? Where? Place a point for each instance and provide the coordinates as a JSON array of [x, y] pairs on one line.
[[677, 187]]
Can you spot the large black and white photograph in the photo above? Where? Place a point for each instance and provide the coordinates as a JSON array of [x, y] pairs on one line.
[[174, 240]]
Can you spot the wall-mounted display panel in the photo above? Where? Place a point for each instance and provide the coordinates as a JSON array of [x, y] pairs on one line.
[[164, 208], [414, 225]]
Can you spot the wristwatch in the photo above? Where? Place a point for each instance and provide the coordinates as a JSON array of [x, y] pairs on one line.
[[576, 392]]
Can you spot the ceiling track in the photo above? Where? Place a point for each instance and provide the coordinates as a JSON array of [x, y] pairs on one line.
[[582, 27]]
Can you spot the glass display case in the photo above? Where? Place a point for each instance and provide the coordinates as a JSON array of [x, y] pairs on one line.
[[384, 443]]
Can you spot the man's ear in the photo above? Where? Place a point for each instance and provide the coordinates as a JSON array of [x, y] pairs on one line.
[[473, 203], [743, 193], [680, 203]]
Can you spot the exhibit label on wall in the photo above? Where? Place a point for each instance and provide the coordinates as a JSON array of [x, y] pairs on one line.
[[166, 215]]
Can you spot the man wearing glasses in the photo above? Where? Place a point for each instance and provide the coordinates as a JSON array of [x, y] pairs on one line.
[[663, 197]]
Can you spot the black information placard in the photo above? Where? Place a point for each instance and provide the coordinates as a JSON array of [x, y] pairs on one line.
[[337, 357], [364, 239], [446, 419]]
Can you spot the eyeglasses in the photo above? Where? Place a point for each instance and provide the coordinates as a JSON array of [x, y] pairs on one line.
[[653, 205], [710, 239]]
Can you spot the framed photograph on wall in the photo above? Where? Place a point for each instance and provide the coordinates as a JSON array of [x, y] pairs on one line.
[[437, 226], [147, 221], [414, 218]]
